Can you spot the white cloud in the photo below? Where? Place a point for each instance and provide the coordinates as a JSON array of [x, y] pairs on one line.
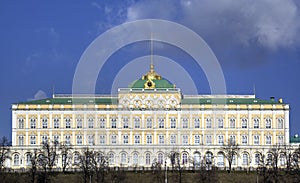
[[39, 95], [271, 24]]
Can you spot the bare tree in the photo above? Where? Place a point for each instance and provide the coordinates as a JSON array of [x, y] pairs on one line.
[[100, 163], [157, 171], [66, 156], [230, 150], [33, 165], [86, 164], [47, 158], [4, 151]]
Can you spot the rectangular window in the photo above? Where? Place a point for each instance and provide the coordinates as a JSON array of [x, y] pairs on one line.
[[32, 123], [196, 123], [280, 139], [280, 123], [268, 123], [102, 139], [232, 139], [125, 139], [137, 139], [79, 122], [268, 140], [68, 139], [45, 122], [161, 123], [113, 123], [245, 159], [91, 140], [244, 140], [208, 139], [102, 122], [79, 139], [185, 139], [125, 122], [220, 123], [161, 139], [173, 139], [256, 140], [256, 123], [21, 123], [185, 123], [220, 139], [244, 123], [32, 140], [208, 123], [56, 139], [149, 139], [68, 122], [149, 122], [91, 123], [197, 139], [56, 122], [113, 139], [232, 122], [44, 139], [173, 122], [137, 122]]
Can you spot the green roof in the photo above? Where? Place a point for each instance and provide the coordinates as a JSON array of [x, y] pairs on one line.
[[161, 83], [192, 101], [108, 100]]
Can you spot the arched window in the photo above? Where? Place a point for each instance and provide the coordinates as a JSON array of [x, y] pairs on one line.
[[185, 123], [148, 158], [280, 123], [244, 122], [123, 158], [16, 159], [21, 140], [245, 158], [111, 158], [256, 123], [125, 122], [76, 158], [232, 122], [208, 122], [184, 158], [257, 158], [173, 122], [220, 160], [102, 122], [161, 123], [135, 158], [149, 122], [28, 159], [137, 122], [196, 122], [32, 122], [220, 122], [45, 122], [91, 122], [113, 122], [56, 122], [160, 158], [32, 140], [21, 122], [208, 158], [268, 122], [197, 159], [68, 122], [79, 122]]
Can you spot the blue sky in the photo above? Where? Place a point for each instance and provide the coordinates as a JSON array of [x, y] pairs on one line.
[[256, 42]]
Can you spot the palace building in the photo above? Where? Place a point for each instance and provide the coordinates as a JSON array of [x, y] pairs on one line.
[[146, 121]]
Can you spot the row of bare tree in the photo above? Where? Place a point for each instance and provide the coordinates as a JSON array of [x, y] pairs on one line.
[[94, 165]]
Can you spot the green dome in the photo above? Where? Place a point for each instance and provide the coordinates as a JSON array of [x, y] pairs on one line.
[[151, 80], [162, 83]]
